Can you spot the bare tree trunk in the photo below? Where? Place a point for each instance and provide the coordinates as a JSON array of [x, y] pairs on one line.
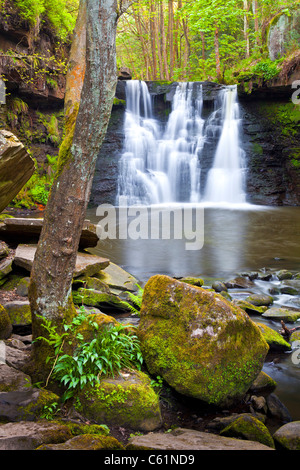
[[246, 28], [163, 42], [152, 36], [171, 36], [51, 278], [256, 25], [217, 54]]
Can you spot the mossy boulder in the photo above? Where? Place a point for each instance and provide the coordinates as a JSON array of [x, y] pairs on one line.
[[86, 442], [249, 308], [193, 281], [127, 400], [19, 312], [201, 344], [94, 298], [274, 339], [260, 300], [288, 436], [263, 384], [249, 428], [282, 313], [5, 324]]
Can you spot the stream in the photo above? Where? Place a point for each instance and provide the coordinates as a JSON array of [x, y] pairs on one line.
[[236, 239]]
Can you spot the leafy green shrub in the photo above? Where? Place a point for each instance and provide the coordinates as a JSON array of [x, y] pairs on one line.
[[112, 349], [266, 69]]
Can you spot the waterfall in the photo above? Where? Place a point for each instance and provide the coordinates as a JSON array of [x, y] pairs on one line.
[[225, 181], [161, 164]]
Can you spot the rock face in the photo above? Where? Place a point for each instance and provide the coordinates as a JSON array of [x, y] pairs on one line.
[[282, 30], [198, 342], [16, 167]]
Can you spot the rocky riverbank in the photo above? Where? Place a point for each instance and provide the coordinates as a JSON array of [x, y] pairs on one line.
[[164, 412]]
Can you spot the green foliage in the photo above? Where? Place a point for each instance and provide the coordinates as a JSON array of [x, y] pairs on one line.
[[135, 300], [112, 349], [61, 14], [266, 69], [37, 189]]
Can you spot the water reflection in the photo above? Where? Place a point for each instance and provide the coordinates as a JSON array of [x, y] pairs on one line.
[[249, 238]]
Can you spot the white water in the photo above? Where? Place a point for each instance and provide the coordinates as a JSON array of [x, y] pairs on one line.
[[225, 182], [163, 165]]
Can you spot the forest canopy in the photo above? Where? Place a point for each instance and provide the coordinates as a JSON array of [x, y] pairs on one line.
[[180, 39]]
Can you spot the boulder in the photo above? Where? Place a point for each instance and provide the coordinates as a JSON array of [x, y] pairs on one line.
[[239, 282], [277, 410], [250, 428], [16, 167], [263, 384], [24, 404], [274, 339], [12, 379], [86, 442], [219, 286], [189, 439], [260, 300], [287, 437], [127, 400], [19, 312], [28, 435], [94, 298], [5, 267], [283, 274], [193, 281], [86, 264], [20, 230], [117, 278], [249, 308], [201, 344], [5, 324], [286, 314]]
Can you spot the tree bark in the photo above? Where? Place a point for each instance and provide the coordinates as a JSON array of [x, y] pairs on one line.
[[217, 54], [86, 123]]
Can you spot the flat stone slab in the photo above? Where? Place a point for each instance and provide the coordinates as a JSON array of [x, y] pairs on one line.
[[86, 264], [117, 278], [26, 229], [28, 435], [282, 313], [189, 439]]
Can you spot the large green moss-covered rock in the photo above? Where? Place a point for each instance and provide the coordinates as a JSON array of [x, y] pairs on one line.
[[127, 399], [200, 343], [249, 428]]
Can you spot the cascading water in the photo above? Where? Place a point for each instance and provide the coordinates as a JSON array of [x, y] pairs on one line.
[[225, 182], [163, 165]]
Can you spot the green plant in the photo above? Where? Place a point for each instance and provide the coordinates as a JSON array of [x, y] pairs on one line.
[[112, 349], [49, 411], [135, 300]]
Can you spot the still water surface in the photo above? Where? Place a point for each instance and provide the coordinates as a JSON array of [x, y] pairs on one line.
[[235, 240]]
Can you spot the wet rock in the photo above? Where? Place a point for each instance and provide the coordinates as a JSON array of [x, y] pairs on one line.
[[282, 313], [274, 339], [219, 286], [193, 281], [117, 278], [220, 422], [263, 384], [288, 436], [189, 439], [23, 286], [259, 403], [239, 282], [277, 409], [249, 308], [249, 428], [102, 300], [260, 300], [5, 267], [284, 274], [197, 340]]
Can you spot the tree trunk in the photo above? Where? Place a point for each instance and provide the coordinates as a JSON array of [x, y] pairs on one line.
[[217, 54], [51, 277], [171, 36], [152, 36], [246, 28]]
